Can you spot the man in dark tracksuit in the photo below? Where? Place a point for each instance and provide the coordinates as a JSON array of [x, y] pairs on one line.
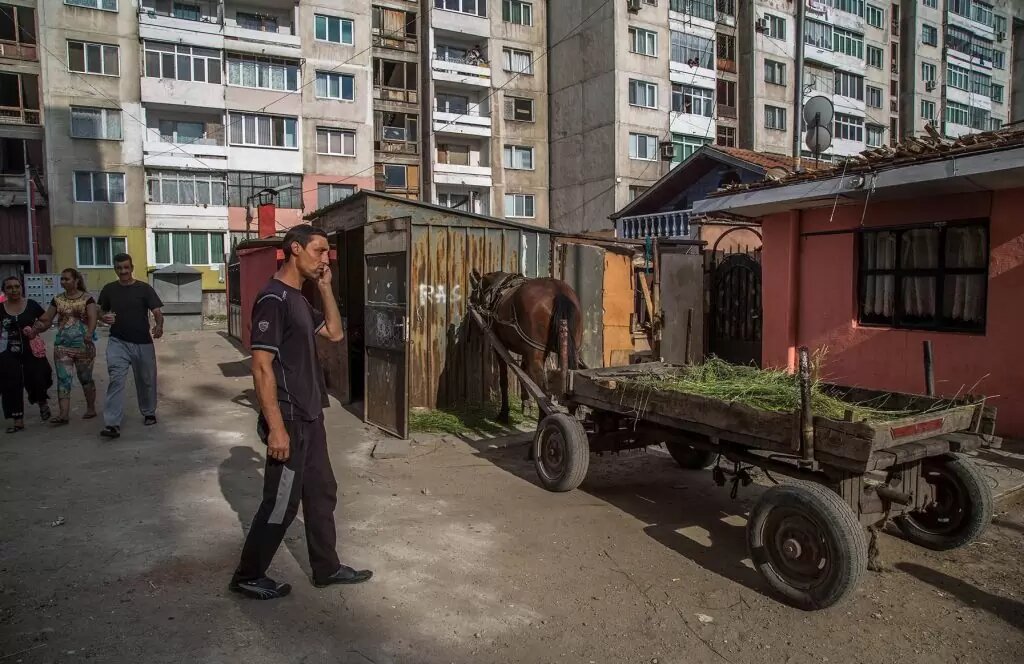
[[289, 386]]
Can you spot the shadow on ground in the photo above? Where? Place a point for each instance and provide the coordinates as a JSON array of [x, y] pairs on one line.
[[1008, 610]]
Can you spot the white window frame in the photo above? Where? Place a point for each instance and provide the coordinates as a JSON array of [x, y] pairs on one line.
[[92, 176], [650, 147], [848, 85], [958, 77], [328, 18], [196, 180], [929, 67], [525, 12], [479, 7], [870, 93], [868, 50], [643, 94], [686, 145], [927, 110], [776, 27], [848, 127], [643, 42], [932, 31], [507, 54], [523, 199], [701, 49], [844, 41], [998, 98], [341, 136], [105, 115], [255, 128], [873, 10], [702, 100], [777, 70], [183, 51], [954, 108], [515, 156], [236, 64], [85, 57], [775, 117], [92, 239], [328, 77], [878, 131], [331, 186], [94, 4]]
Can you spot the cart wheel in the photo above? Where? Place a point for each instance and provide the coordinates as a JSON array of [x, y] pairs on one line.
[[688, 456], [561, 452], [961, 509], [807, 543]]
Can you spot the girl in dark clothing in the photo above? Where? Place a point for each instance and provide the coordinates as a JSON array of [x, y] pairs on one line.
[[20, 370]]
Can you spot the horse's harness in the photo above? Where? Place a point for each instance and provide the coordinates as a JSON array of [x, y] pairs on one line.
[[499, 292]]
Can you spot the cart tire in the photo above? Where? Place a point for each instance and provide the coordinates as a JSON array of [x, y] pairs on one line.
[[807, 543], [962, 508], [561, 452], [688, 456]]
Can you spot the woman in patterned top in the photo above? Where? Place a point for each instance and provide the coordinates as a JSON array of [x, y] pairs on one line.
[[73, 348]]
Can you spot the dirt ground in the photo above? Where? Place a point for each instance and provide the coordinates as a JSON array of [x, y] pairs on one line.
[[121, 552]]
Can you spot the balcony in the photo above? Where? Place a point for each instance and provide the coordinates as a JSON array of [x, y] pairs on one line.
[[724, 64], [470, 123], [197, 23], [251, 26], [18, 115], [457, 70], [458, 174], [475, 201], [725, 111], [183, 140], [394, 29], [18, 51]]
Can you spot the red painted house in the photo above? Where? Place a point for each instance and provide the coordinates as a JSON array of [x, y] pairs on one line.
[[870, 259]]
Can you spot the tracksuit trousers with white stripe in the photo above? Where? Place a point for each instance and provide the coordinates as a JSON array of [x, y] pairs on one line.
[[307, 476]]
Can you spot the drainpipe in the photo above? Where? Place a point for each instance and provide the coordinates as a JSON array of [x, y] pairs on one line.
[[795, 246], [798, 94], [30, 210]]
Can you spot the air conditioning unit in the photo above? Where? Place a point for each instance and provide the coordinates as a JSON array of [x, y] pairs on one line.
[[633, 5], [929, 85], [761, 25], [1000, 36], [668, 151]]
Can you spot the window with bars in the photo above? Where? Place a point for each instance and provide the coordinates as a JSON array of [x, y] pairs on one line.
[[341, 87], [849, 127], [333, 29], [726, 136], [92, 58], [253, 71], [99, 251], [332, 192], [644, 42], [518, 157], [99, 187], [243, 184], [725, 47], [516, 11], [643, 147], [519, 109], [188, 247], [186, 188], [692, 50], [520, 206], [341, 142], [931, 277], [692, 100], [182, 63], [517, 61], [98, 123], [267, 131], [643, 93]]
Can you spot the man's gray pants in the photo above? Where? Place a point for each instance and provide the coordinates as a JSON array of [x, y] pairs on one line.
[[142, 360]]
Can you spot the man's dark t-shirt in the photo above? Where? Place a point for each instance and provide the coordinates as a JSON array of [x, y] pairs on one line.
[[132, 305], [286, 324]]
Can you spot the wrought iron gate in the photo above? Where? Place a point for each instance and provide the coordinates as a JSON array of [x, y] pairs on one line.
[[735, 309]]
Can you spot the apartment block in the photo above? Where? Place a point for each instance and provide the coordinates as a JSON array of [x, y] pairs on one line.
[[22, 151]]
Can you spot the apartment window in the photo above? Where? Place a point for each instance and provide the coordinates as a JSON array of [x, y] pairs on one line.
[[849, 85], [874, 98], [995, 124], [692, 100], [774, 72], [929, 35], [643, 147], [982, 13], [704, 9], [644, 42], [186, 188], [635, 192], [776, 26], [894, 131], [518, 157], [927, 110], [958, 113], [775, 117], [260, 22], [979, 118], [519, 109], [517, 61], [642, 93], [875, 16], [519, 206], [930, 277], [188, 247], [395, 176], [818, 34], [855, 7], [475, 7], [692, 50], [876, 135], [931, 3], [456, 155], [182, 63], [997, 93], [847, 42], [998, 59], [90, 122], [398, 77], [105, 5], [726, 93], [99, 251], [726, 136], [999, 23], [98, 187], [875, 56], [449, 103], [331, 192], [266, 131], [334, 29], [242, 185], [981, 84], [91, 58], [849, 127], [183, 131], [957, 77], [726, 47], [396, 127], [515, 11], [335, 86], [335, 141], [683, 146], [252, 71], [928, 71]]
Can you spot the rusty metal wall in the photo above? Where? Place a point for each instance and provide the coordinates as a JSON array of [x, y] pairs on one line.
[[583, 268], [448, 361]]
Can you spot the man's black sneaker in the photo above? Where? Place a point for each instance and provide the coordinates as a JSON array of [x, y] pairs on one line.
[[111, 432], [346, 575], [150, 420], [264, 588]]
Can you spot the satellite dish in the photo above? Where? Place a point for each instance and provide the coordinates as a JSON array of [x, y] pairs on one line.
[[818, 112], [818, 139]]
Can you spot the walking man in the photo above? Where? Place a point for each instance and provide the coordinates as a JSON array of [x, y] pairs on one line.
[[125, 305], [289, 387]]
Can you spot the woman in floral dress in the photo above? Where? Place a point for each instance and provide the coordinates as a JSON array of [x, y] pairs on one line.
[[73, 348]]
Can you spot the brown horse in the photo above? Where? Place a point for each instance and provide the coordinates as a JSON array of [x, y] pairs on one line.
[[525, 315]]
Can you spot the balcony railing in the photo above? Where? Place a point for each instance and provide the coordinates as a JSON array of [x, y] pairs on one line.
[[384, 39], [18, 115], [664, 224], [18, 51], [724, 64], [182, 15], [385, 93], [726, 111], [396, 147]]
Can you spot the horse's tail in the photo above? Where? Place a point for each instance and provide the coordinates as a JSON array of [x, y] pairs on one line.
[[564, 309]]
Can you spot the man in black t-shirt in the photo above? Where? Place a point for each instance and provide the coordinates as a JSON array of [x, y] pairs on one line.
[[125, 305], [289, 387]]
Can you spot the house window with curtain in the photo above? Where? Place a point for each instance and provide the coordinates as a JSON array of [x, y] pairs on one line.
[[514, 60], [188, 247], [932, 277]]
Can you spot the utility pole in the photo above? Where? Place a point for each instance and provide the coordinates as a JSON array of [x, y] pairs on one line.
[[30, 210], [798, 94]]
